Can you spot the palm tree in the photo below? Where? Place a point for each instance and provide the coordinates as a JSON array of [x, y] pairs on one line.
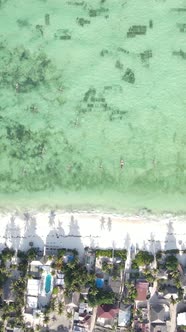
[[61, 308], [69, 314], [1, 327], [93, 291], [46, 319]]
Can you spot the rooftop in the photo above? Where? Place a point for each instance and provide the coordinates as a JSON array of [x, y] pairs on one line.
[[181, 319], [32, 302], [8, 294], [108, 311], [124, 315], [157, 313], [142, 290], [159, 328], [115, 284], [33, 287]]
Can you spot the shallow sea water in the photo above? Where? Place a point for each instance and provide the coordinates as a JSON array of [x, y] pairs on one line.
[[69, 112]]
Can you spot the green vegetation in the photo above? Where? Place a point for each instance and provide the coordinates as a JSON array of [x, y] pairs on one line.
[[15, 308], [61, 308], [110, 253], [181, 328], [112, 269], [57, 262], [1, 326], [121, 254], [171, 263], [106, 267], [76, 276], [19, 287], [159, 254], [25, 258], [104, 252], [5, 255], [172, 251], [143, 258], [150, 275], [131, 292], [100, 296], [55, 291], [64, 251], [166, 252]]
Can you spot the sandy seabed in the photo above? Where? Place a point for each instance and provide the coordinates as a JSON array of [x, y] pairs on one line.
[[93, 229], [78, 94], [55, 135]]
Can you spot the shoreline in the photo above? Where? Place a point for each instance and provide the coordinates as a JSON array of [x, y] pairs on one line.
[[107, 201]]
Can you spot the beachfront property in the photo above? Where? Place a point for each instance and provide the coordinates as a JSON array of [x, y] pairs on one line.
[[89, 259], [39, 286], [38, 292], [86, 124], [147, 300]]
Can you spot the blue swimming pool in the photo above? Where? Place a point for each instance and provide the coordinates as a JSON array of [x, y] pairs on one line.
[[99, 282], [48, 282]]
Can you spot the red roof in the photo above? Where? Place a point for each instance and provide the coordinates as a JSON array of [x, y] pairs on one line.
[[142, 289], [108, 311]]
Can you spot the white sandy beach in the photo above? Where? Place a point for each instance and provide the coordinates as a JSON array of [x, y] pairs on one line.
[[81, 229]]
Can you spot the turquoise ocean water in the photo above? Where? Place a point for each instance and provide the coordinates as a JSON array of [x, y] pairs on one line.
[[85, 85]]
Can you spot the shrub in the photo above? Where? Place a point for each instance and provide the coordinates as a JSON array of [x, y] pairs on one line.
[[76, 276], [31, 253], [121, 253], [171, 263], [134, 265], [104, 252], [131, 292], [55, 291], [143, 258], [172, 251], [106, 267], [7, 253], [100, 297]]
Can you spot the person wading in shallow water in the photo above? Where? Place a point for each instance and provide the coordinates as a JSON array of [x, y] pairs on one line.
[[17, 87], [121, 163]]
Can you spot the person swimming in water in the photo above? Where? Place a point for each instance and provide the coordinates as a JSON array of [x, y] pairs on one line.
[[121, 163]]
